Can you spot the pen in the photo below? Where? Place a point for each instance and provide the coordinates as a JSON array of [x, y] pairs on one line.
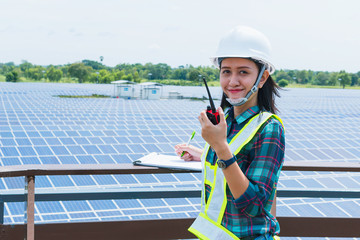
[[192, 136]]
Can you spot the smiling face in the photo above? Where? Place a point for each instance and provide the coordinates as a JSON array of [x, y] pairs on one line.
[[237, 77]]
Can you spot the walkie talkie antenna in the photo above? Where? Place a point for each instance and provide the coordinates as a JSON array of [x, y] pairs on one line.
[[213, 109]]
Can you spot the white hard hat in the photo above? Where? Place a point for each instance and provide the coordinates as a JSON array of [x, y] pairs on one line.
[[245, 42]]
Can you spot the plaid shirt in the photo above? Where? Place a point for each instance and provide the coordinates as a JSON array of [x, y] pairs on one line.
[[261, 161]]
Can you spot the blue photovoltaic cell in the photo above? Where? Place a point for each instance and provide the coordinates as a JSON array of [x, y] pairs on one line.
[[6, 134], [166, 178], [49, 207], [104, 179], [145, 217], [122, 149], [125, 179], [137, 148], [26, 151], [82, 215], [107, 149], [78, 206], [152, 202], [44, 150], [2, 186], [61, 181], [330, 210], [72, 133], [149, 139], [75, 150], [68, 160], [135, 139], [146, 178], [17, 208], [176, 201], [59, 133], [55, 217], [9, 151], [11, 161], [350, 207], [30, 160], [53, 141], [15, 182], [60, 150], [43, 182], [81, 140], [23, 141], [95, 140], [67, 141], [38, 141], [151, 147], [311, 183], [109, 213], [122, 140], [46, 134], [86, 159], [104, 159], [83, 180], [7, 142], [306, 211], [160, 210], [49, 160], [20, 134], [165, 147], [109, 140], [102, 204]]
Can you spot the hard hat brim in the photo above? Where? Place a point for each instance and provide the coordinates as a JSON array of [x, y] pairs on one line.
[[269, 66]]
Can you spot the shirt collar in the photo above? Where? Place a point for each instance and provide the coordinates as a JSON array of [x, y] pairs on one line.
[[245, 115]]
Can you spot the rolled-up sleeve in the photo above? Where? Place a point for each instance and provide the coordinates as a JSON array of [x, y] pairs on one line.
[[266, 158]]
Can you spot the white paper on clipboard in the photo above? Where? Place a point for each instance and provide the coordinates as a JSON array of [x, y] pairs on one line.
[[167, 161]]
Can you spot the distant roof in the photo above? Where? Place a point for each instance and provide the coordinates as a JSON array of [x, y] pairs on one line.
[[150, 84], [123, 81]]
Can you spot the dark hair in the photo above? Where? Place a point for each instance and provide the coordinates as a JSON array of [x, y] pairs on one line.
[[266, 95]]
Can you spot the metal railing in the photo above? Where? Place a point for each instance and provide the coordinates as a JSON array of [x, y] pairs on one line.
[[153, 229]]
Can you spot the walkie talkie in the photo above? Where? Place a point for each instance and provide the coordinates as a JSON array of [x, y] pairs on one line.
[[211, 112]]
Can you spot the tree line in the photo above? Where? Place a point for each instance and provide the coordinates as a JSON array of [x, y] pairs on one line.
[[95, 72]]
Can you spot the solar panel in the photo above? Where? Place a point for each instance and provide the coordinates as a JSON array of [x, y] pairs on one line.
[[36, 127]]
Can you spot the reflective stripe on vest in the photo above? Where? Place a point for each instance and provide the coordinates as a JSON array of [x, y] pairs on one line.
[[208, 224]]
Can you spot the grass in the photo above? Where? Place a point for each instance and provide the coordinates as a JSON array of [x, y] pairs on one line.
[[187, 83], [294, 85]]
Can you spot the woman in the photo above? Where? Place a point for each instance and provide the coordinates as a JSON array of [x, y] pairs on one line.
[[244, 153]]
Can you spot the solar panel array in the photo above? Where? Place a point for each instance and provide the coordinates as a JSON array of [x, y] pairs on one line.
[[37, 127]]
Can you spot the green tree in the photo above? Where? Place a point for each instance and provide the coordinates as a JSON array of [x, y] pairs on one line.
[[80, 71], [321, 79], [344, 78], [193, 75], [12, 76], [54, 75], [35, 73], [283, 83], [354, 79]]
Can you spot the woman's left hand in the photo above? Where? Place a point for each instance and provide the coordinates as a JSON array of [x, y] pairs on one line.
[[214, 135]]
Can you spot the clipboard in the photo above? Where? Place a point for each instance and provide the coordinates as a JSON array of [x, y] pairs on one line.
[[167, 161]]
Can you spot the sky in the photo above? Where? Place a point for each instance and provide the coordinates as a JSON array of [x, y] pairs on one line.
[[318, 35]]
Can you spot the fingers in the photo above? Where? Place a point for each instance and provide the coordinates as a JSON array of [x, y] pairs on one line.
[[221, 114], [203, 119]]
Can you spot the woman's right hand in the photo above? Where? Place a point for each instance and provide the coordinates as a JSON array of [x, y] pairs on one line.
[[192, 153]]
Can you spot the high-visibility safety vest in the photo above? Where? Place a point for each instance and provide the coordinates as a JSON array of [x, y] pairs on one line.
[[208, 224]]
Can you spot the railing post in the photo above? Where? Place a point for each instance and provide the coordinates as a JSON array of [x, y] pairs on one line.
[[1, 211], [29, 208]]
